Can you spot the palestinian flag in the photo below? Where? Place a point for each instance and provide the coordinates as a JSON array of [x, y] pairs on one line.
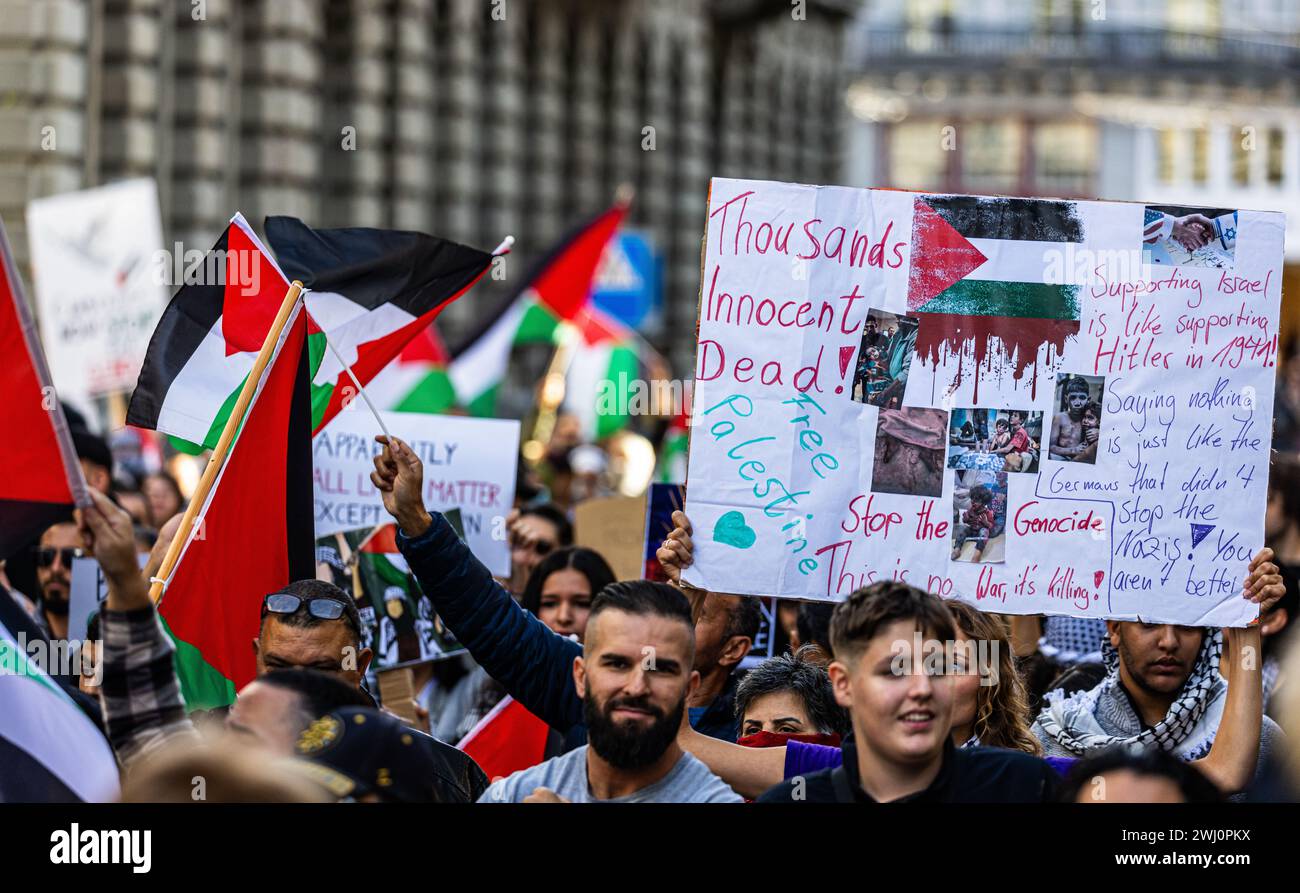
[[674, 450], [371, 291], [557, 289], [418, 380], [253, 535], [207, 341], [40, 479], [602, 375], [50, 752], [507, 740], [979, 283]]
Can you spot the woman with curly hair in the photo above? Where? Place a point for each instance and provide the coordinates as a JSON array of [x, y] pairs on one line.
[[990, 706]]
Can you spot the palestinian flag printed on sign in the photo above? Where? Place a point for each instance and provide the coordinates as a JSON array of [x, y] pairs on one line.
[[977, 279], [207, 341], [557, 289], [243, 546], [398, 621], [39, 476], [372, 292]]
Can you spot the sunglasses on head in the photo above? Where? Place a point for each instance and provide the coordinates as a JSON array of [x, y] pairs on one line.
[[45, 557], [320, 607]]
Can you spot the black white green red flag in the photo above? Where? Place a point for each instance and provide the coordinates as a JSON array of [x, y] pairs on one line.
[[39, 476], [207, 340], [556, 291], [254, 533], [372, 292]]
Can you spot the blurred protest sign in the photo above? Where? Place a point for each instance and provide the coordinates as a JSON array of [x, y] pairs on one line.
[[397, 693], [469, 464], [397, 621], [100, 286], [1076, 424], [615, 527], [87, 588], [661, 501]]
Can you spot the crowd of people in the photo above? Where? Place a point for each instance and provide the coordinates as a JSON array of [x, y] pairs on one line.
[[894, 694]]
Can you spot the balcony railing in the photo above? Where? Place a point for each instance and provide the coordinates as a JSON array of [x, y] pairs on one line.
[[1112, 47]]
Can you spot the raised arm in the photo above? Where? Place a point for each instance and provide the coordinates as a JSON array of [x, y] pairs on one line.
[[1230, 764], [748, 770], [533, 663], [140, 694]]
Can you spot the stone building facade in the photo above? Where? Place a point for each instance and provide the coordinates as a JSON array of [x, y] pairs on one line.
[[470, 119]]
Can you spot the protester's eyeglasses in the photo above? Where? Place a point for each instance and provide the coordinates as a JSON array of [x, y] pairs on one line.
[[320, 607], [45, 557]]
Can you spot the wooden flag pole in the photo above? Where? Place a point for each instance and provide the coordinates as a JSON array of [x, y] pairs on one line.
[[218, 457]]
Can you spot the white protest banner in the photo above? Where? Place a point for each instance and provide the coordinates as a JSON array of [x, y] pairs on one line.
[[99, 289], [88, 588], [1041, 407], [469, 464]]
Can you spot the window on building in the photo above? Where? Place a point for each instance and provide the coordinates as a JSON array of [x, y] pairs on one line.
[[1243, 143], [924, 15], [1197, 17], [1165, 152], [1065, 157], [1200, 155], [1276, 155], [991, 155], [917, 159], [1062, 16]]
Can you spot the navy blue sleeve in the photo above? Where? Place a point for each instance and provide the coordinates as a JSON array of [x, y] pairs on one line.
[[533, 663]]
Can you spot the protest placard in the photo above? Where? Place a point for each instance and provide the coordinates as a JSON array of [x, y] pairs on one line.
[[615, 527], [661, 501], [87, 589], [398, 622], [1038, 406], [100, 287], [469, 464]]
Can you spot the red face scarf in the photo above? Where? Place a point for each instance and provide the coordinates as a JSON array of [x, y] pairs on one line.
[[778, 739]]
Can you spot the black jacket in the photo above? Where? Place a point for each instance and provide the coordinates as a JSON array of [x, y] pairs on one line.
[[458, 778], [968, 775]]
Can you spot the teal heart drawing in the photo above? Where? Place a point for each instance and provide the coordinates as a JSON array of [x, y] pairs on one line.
[[732, 530]]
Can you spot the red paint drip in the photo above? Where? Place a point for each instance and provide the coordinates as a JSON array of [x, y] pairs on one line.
[[942, 335]]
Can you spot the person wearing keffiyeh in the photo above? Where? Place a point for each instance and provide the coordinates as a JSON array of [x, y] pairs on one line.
[[1163, 689]]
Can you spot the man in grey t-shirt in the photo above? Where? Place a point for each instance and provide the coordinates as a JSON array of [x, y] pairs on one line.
[[634, 677], [688, 781]]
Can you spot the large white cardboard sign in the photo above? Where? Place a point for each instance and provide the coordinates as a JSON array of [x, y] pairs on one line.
[[469, 464], [1038, 406]]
